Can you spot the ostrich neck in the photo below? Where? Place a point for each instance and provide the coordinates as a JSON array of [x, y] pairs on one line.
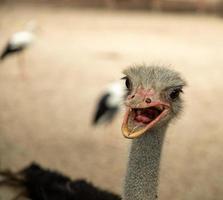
[[143, 167]]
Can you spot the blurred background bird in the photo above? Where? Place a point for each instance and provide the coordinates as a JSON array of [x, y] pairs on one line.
[[109, 103], [19, 42]]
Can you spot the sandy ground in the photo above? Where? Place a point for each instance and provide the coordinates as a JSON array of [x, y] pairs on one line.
[[46, 117]]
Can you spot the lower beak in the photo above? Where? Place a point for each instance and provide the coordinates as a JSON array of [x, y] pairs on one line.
[[145, 129]]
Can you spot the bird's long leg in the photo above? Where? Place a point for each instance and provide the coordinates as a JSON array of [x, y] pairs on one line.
[[21, 65]]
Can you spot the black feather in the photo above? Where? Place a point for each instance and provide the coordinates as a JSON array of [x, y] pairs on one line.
[[44, 184], [8, 50]]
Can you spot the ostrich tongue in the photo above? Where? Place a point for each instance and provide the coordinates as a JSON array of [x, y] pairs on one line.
[[145, 115], [141, 117], [139, 120]]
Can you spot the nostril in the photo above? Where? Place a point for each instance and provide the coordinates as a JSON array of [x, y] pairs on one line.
[[132, 96], [148, 100]]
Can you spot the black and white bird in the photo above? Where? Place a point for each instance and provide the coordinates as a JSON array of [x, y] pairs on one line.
[[19, 41], [109, 103]]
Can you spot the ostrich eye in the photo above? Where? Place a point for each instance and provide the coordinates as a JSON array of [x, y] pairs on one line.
[[175, 93], [128, 83]]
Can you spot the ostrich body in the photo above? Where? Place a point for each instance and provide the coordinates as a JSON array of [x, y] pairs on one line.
[[109, 103], [44, 184], [153, 101]]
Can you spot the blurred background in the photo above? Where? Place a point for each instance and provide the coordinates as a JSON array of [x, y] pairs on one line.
[[83, 45]]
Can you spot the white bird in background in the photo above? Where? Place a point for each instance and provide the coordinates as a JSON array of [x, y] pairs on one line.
[[109, 103], [18, 42]]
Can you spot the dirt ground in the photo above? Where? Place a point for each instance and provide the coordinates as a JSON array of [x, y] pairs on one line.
[[46, 117]]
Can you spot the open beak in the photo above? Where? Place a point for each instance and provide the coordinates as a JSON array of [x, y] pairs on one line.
[[140, 120]]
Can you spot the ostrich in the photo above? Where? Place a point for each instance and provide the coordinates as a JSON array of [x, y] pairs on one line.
[[153, 99], [18, 42], [109, 103]]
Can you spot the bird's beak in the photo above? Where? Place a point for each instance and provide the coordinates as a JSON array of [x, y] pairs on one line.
[[140, 120]]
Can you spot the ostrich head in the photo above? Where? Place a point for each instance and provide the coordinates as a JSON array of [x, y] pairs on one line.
[[153, 99]]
